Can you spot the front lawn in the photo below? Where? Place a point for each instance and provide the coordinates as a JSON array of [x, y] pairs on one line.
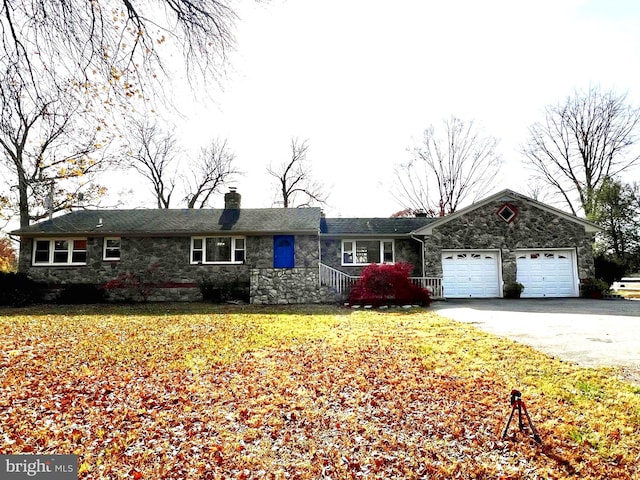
[[191, 391]]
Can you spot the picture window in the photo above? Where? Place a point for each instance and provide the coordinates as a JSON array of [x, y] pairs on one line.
[[211, 250], [365, 252]]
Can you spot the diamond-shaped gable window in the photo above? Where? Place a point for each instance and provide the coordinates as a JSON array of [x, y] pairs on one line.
[[507, 212]]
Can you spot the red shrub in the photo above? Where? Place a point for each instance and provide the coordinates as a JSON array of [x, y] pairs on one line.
[[383, 284]]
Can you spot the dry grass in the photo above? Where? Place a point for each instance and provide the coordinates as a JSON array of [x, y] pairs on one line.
[[628, 293]]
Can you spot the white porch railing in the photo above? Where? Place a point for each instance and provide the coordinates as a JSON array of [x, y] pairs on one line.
[[339, 281], [342, 282], [433, 284]]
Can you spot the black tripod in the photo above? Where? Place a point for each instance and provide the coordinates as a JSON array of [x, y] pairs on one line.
[[518, 404]]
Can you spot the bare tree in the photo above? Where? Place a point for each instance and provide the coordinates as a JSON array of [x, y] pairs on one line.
[[295, 184], [447, 168], [411, 213], [154, 156], [536, 190], [121, 42], [158, 158], [50, 148], [581, 142], [411, 186], [213, 169]]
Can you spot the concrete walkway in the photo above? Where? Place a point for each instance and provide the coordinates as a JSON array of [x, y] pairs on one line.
[[588, 332]]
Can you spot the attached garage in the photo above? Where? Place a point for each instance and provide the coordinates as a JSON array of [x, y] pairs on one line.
[[505, 238], [471, 273], [547, 273]]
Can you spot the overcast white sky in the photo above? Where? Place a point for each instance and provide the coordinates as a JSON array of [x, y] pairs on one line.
[[362, 78]]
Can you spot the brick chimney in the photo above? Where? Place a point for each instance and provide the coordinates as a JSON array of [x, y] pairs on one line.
[[232, 199]]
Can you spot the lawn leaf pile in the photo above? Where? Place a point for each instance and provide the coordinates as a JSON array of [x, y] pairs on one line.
[[191, 392]]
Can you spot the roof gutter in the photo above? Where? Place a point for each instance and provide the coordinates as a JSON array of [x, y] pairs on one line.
[[142, 234], [374, 236]]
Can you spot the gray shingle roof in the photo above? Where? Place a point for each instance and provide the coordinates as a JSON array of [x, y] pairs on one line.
[[372, 226], [184, 221]]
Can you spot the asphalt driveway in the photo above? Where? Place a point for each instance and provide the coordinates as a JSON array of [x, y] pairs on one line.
[[588, 332]]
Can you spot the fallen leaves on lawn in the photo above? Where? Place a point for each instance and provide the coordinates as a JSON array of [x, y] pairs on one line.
[[237, 395]]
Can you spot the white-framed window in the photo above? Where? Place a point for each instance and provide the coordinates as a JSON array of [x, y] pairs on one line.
[[365, 252], [60, 251], [111, 250], [217, 249]]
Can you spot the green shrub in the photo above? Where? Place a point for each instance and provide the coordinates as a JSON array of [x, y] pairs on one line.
[[220, 291], [18, 290], [513, 290], [593, 288], [81, 293], [610, 268]]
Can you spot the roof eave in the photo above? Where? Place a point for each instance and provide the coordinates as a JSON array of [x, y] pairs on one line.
[[129, 233], [365, 235]]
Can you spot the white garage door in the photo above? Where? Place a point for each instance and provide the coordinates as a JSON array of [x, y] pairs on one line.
[[470, 274], [547, 273]]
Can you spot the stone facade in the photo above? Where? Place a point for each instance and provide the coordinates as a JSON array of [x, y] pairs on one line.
[[288, 285], [300, 284], [533, 227], [406, 250], [260, 255], [163, 263]]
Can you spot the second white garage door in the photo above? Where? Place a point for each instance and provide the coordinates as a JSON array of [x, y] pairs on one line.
[[547, 273], [471, 274]]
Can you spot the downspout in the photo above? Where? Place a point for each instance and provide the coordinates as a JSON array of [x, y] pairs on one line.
[[319, 260], [421, 252]]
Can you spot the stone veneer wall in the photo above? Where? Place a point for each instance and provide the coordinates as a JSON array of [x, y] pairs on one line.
[[288, 285], [307, 252], [300, 284], [406, 250], [164, 263], [532, 228]]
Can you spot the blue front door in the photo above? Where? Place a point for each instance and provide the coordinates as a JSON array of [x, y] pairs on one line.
[[283, 251]]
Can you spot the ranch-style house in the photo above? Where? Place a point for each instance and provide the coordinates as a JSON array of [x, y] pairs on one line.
[[286, 255]]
